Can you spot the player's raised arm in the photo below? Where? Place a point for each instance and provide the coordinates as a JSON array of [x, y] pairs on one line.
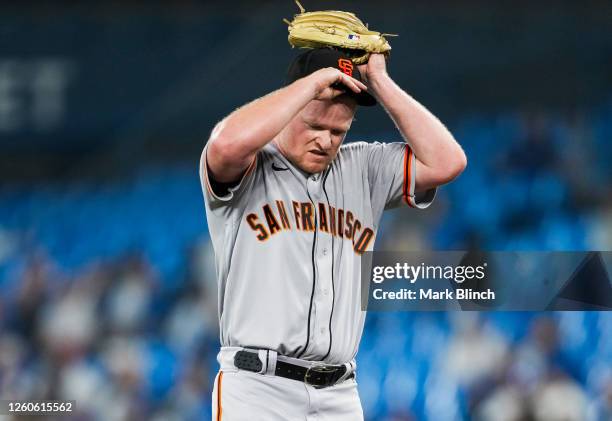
[[439, 158], [235, 140]]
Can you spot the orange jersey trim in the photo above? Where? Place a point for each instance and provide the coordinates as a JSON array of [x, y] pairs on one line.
[[408, 158], [219, 408]]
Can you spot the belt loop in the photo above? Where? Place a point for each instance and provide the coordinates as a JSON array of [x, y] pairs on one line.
[[350, 369], [271, 357], [347, 373], [263, 357], [225, 357]]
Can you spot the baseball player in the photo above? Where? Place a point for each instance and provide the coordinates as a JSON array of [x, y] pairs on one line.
[[290, 211]]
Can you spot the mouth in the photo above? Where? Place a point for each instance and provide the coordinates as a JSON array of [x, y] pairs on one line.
[[318, 153]]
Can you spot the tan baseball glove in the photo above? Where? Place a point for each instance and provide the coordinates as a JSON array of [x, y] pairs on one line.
[[336, 29]]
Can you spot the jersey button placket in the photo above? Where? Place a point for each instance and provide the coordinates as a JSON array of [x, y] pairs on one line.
[[324, 264]]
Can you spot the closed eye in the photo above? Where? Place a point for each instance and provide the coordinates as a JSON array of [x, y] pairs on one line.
[[315, 127], [335, 132]]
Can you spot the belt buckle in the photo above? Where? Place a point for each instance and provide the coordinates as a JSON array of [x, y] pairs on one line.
[[318, 368]]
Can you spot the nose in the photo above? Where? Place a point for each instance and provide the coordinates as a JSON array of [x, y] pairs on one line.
[[325, 140]]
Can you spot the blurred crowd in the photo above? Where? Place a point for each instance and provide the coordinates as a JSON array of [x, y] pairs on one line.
[[495, 366], [112, 339], [536, 180], [108, 289]]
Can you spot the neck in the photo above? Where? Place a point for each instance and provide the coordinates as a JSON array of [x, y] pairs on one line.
[[278, 141]]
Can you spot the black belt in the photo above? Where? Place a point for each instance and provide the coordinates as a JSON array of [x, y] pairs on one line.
[[319, 376]]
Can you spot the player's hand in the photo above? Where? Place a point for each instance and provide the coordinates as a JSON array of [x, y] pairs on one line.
[[375, 68], [330, 83]]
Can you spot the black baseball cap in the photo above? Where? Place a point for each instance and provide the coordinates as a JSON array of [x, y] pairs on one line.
[[319, 58]]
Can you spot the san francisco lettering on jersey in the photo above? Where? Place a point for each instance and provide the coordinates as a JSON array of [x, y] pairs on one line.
[[341, 223]]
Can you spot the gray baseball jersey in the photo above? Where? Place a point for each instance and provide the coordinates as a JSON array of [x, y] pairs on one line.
[[288, 247]]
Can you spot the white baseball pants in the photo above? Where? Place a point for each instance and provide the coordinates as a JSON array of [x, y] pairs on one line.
[[241, 395]]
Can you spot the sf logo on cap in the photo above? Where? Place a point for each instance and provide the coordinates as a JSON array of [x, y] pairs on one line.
[[346, 66]]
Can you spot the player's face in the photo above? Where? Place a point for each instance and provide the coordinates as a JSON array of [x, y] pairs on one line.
[[313, 137]]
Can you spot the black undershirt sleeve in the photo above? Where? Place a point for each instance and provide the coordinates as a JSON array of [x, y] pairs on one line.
[[220, 189]]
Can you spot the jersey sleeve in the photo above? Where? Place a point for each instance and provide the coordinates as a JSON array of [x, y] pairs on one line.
[[392, 174], [233, 193]]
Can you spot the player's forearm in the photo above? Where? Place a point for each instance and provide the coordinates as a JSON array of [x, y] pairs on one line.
[[433, 145], [251, 127]]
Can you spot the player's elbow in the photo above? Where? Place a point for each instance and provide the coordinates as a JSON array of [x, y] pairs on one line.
[[221, 146], [222, 150], [459, 163], [227, 157], [451, 167]]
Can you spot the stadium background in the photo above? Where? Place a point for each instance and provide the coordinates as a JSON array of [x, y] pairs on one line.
[[107, 287]]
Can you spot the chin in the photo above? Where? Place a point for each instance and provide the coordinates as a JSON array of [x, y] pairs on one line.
[[314, 167]]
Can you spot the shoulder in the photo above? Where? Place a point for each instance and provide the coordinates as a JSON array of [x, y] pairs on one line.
[[357, 149], [353, 149], [375, 154], [358, 146], [354, 146], [375, 147]]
